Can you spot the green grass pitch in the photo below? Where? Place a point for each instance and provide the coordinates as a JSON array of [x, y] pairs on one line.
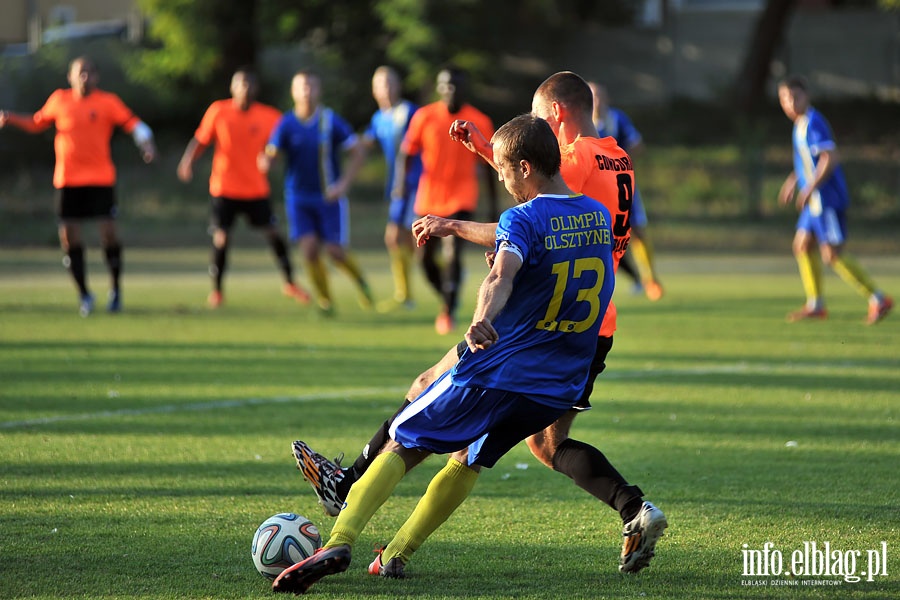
[[139, 452]]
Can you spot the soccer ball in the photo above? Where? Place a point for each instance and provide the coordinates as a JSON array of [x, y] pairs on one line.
[[281, 541]]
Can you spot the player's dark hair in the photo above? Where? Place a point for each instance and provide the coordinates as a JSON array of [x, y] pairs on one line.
[[530, 138], [795, 82], [86, 61], [568, 89], [248, 72], [456, 72], [306, 72]]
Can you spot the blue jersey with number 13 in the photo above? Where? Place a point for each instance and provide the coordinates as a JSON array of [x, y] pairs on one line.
[[548, 328]]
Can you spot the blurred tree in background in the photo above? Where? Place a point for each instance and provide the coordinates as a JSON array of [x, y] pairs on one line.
[[192, 47], [197, 44]]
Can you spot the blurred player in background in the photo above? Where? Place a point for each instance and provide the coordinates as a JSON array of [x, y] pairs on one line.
[[239, 127], [819, 190], [612, 121], [312, 139], [386, 129], [448, 186], [85, 118]]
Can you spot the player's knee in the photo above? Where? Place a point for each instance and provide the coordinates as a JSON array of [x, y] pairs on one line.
[[420, 384], [220, 238], [541, 448], [829, 254]]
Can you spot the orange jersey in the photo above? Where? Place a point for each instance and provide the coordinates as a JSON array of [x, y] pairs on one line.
[[600, 169], [84, 127], [239, 137], [449, 181]]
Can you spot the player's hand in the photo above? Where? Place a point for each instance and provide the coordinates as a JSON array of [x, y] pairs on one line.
[[489, 257], [466, 133], [4, 118], [148, 152], [336, 191], [427, 226], [481, 335], [263, 162], [803, 197], [788, 188]]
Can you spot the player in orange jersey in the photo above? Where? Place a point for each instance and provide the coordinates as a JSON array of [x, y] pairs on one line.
[[610, 120], [598, 168], [239, 127], [84, 176], [448, 186]]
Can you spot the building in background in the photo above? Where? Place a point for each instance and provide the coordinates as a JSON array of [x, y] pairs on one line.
[[27, 24]]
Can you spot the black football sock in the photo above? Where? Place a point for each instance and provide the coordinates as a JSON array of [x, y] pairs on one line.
[[282, 258], [592, 472], [114, 264], [626, 264], [74, 262], [368, 454], [217, 266]]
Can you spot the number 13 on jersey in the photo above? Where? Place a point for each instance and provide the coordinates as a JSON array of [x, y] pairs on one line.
[[591, 295]]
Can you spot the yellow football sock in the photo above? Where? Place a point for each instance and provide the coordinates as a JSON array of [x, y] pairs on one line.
[[351, 268], [366, 496], [850, 271], [811, 276], [642, 251], [401, 259], [319, 277], [445, 493]]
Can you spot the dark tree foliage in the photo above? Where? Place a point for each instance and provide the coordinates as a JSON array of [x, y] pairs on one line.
[[197, 44]]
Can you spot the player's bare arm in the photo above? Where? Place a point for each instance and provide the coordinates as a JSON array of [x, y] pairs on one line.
[[493, 295], [788, 188], [466, 133], [24, 122], [339, 188], [401, 166], [828, 161], [477, 233], [186, 165], [143, 139], [266, 157]]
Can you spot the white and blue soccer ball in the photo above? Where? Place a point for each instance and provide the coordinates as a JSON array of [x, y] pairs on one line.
[[283, 540]]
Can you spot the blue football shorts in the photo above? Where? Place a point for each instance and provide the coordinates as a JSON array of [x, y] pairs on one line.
[[446, 418], [400, 210], [330, 221], [829, 226]]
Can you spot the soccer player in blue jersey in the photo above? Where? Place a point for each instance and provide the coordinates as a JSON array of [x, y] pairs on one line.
[[612, 121], [386, 129], [312, 138], [546, 294], [819, 190], [565, 101]]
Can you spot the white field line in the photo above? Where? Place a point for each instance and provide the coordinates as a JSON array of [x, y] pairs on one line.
[[201, 406], [624, 374]]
